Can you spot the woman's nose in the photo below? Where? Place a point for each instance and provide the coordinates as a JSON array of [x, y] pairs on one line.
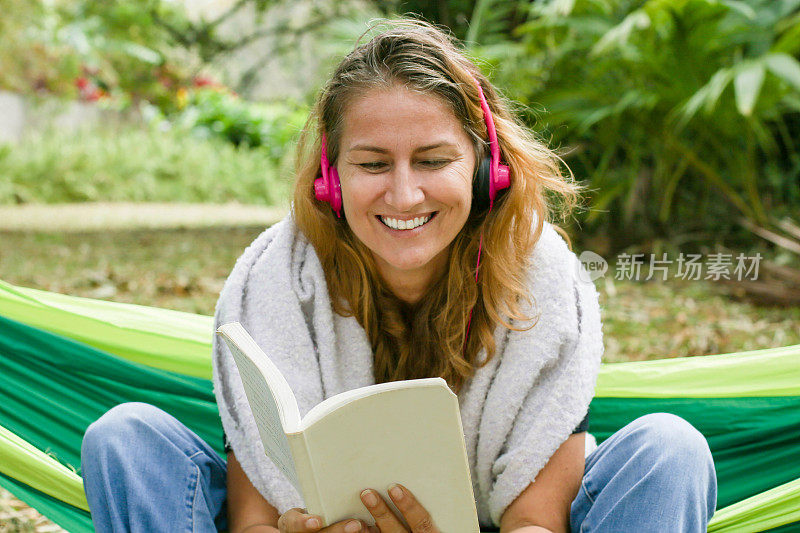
[[404, 190]]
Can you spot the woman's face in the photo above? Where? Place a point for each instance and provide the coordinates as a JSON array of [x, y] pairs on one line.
[[406, 166]]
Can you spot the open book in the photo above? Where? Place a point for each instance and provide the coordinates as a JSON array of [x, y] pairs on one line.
[[406, 432]]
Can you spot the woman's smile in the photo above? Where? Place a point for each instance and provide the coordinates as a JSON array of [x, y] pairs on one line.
[[406, 226]]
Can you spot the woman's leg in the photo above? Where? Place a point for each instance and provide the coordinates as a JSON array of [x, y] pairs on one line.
[[145, 471], [655, 474]]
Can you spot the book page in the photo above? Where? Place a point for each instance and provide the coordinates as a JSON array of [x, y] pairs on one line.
[[266, 411], [410, 434], [322, 409]]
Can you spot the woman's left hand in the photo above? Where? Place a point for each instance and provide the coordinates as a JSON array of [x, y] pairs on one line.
[[415, 515]]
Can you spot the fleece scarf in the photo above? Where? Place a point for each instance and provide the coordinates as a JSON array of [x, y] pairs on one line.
[[515, 411]]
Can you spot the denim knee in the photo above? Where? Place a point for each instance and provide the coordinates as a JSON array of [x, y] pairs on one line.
[[654, 474], [670, 438], [672, 444], [119, 427], [143, 470]]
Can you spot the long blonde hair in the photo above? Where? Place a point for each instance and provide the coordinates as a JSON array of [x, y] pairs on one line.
[[428, 338]]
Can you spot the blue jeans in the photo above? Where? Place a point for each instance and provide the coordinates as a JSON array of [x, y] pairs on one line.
[[145, 471]]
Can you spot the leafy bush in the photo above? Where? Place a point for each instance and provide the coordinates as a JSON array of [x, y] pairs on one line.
[[217, 112], [139, 164], [683, 114]]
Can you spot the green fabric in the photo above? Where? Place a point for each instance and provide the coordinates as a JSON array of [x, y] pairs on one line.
[[21, 460], [770, 372], [754, 441], [176, 341], [53, 387], [66, 516], [776, 507]]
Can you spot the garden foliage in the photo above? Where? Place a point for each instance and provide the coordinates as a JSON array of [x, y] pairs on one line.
[[682, 114], [140, 164]]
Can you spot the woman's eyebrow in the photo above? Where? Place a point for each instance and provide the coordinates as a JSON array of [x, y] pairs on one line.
[[366, 148]]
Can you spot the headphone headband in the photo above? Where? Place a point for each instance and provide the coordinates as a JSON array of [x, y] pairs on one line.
[[499, 175]]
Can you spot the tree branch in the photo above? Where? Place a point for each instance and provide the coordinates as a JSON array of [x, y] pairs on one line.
[[276, 31], [225, 16], [176, 34]]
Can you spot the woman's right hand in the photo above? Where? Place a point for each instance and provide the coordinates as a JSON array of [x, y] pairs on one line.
[[295, 521]]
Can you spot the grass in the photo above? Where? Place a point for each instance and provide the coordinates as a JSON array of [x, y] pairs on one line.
[[676, 318], [16, 517], [178, 269], [138, 164], [185, 269]]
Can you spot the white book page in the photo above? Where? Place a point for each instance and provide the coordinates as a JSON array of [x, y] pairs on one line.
[[274, 406], [410, 435], [329, 405]]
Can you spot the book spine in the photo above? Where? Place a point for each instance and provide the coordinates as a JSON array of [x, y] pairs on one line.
[[305, 474]]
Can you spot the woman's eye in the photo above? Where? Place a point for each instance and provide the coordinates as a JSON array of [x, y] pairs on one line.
[[435, 163], [430, 163], [371, 166]]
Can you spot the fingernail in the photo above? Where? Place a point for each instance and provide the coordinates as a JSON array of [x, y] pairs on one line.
[[312, 522], [369, 498], [353, 527], [396, 492]]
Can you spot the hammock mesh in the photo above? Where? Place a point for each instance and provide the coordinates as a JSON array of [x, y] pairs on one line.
[[64, 361]]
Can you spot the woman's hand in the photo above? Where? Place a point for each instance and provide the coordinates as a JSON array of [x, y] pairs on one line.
[[415, 515], [295, 520]]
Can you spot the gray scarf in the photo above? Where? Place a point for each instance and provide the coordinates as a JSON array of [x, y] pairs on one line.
[[515, 411]]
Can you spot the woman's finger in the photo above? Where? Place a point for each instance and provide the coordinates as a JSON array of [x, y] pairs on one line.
[[347, 526], [296, 520], [418, 519], [384, 517]]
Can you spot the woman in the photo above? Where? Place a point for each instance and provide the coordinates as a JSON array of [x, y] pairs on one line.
[[418, 246]]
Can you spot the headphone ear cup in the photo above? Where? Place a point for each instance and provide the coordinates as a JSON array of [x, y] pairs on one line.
[[336, 190], [480, 186]]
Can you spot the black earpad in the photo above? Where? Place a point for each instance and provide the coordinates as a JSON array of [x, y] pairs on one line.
[[480, 186]]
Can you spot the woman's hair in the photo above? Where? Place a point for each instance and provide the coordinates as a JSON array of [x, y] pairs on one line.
[[427, 339]]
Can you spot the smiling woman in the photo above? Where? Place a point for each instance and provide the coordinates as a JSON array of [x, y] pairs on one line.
[[410, 169], [409, 128]]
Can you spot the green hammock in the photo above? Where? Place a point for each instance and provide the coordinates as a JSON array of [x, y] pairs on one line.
[[64, 361]]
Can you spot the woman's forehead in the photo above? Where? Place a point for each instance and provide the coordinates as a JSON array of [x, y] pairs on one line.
[[399, 115]]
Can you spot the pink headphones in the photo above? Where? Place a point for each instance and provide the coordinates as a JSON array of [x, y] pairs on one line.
[[327, 188], [491, 177]]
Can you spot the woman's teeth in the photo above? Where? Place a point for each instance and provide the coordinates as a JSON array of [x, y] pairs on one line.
[[405, 224]]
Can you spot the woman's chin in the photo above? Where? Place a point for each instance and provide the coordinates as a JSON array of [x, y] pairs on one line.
[[407, 266], [398, 261]]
